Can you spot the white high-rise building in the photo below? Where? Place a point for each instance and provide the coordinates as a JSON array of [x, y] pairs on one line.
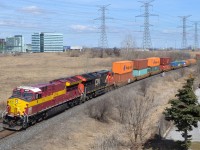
[[47, 42]]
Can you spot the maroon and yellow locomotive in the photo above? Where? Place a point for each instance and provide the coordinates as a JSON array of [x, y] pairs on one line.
[[30, 104]]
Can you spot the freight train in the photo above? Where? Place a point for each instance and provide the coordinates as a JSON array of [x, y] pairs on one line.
[[31, 104]]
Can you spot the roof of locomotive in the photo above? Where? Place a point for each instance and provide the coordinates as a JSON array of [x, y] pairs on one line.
[[102, 71], [89, 76], [41, 85], [68, 80], [34, 89]]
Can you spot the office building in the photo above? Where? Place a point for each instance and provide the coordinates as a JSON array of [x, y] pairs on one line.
[[35, 43], [47, 42], [15, 44], [2, 45]]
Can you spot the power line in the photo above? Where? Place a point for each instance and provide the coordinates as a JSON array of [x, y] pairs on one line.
[[184, 36], [146, 37], [103, 36], [196, 36]]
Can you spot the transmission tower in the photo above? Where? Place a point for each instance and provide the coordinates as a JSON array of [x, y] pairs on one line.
[[184, 36], [196, 35], [146, 35], [103, 37]]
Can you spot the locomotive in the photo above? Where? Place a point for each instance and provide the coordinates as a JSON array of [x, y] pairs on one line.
[[31, 104]]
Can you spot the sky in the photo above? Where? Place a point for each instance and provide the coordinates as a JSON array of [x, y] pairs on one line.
[[76, 19]]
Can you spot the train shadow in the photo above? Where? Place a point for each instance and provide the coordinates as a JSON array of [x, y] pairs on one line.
[[158, 143]]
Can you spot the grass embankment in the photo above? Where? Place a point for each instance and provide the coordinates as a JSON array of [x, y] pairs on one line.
[[195, 146]]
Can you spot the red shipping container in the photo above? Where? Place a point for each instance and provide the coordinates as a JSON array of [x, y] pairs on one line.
[[165, 67], [165, 61], [123, 78], [140, 64]]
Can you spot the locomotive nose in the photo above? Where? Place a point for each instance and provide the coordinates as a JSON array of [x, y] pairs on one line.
[[14, 106]]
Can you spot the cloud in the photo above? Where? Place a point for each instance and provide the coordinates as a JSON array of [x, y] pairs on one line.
[[32, 10], [81, 28], [170, 31], [13, 23]]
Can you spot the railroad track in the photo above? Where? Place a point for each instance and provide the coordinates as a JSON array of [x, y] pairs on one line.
[[5, 133]]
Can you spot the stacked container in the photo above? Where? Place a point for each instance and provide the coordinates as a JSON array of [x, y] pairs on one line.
[[178, 64], [187, 62], [165, 63], [153, 64], [140, 67], [192, 61], [197, 56], [122, 72]]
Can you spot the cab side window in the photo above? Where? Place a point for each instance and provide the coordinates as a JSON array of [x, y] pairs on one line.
[[38, 96]]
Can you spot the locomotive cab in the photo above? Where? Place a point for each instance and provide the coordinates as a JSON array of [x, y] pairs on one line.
[[17, 112]]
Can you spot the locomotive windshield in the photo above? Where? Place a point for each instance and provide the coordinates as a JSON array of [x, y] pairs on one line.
[[27, 96], [16, 94]]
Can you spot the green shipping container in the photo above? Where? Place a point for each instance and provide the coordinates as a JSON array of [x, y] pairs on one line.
[[152, 69], [142, 72]]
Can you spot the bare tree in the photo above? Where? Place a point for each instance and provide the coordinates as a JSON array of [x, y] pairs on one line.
[[198, 67], [99, 110], [144, 87], [122, 106], [138, 113], [107, 143], [182, 72], [128, 44]]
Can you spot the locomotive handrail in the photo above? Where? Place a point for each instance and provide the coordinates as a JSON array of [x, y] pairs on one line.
[[26, 115], [5, 111]]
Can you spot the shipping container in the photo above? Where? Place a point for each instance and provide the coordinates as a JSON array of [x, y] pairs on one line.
[[165, 61], [192, 61], [151, 69], [197, 56], [153, 61], [187, 62], [141, 72], [139, 64], [177, 63], [165, 67], [183, 62], [123, 78], [122, 67], [154, 70]]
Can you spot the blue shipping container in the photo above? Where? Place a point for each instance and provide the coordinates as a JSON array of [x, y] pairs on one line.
[[142, 72], [178, 63]]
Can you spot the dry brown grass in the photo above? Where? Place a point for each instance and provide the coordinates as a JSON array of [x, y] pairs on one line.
[[174, 55]]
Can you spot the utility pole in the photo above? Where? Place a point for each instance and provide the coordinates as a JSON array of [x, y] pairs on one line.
[[184, 36], [196, 35], [103, 37], [146, 35]]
